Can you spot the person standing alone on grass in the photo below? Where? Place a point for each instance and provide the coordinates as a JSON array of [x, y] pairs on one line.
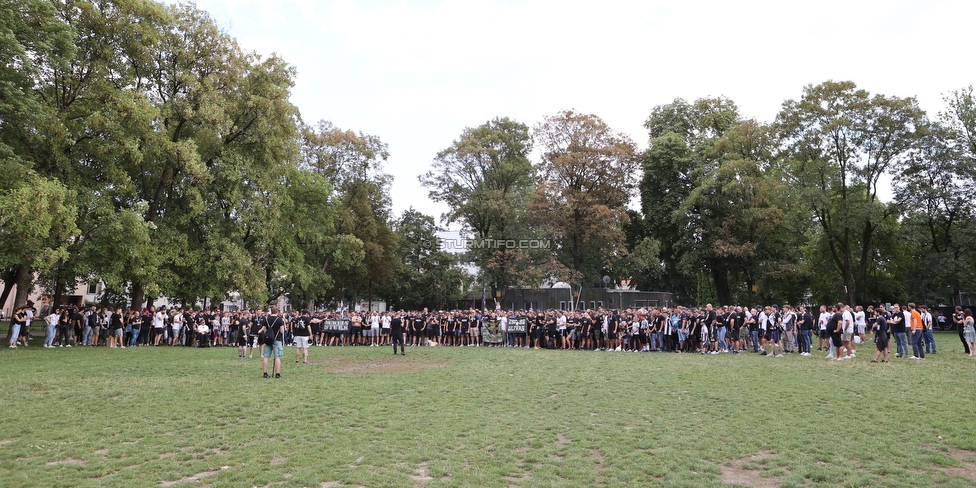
[[276, 326], [396, 332], [300, 329]]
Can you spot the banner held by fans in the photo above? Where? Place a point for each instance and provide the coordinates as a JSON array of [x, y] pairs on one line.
[[491, 332]]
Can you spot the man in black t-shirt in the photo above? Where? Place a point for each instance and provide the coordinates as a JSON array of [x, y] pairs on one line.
[[257, 322], [835, 326], [898, 326], [275, 325], [396, 332], [880, 328], [806, 330], [243, 329], [301, 328]]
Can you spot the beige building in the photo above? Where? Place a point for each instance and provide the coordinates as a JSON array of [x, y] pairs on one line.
[[82, 293]]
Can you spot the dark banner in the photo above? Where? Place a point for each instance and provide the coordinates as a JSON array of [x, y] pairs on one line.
[[334, 325], [518, 326]]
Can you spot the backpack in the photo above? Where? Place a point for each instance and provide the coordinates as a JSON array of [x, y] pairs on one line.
[[269, 335]]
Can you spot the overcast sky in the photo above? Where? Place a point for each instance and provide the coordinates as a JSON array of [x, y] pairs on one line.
[[416, 73]]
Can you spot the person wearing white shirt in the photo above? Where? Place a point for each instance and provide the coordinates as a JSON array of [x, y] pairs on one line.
[[177, 327], [158, 321], [763, 328], [503, 327], [860, 324], [25, 331], [52, 328], [927, 330], [385, 329], [822, 324], [561, 328], [374, 330], [847, 331]]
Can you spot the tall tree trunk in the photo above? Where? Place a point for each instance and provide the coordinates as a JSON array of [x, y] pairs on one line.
[[9, 280], [752, 294], [21, 278], [24, 284], [721, 278], [58, 291], [138, 296]]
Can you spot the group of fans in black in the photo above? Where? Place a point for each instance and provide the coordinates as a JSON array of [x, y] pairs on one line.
[[770, 330]]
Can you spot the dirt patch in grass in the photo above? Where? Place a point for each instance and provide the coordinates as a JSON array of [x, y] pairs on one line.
[[277, 460], [516, 481], [6, 441], [102, 452], [748, 477], [73, 461], [421, 476], [968, 468], [382, 366], [194, 478], [597, 457], [561, 440]]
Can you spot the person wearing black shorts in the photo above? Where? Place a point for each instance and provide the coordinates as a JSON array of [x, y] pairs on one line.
[[242, 324], [880, 328], [433, 327], [355, 329], [585, 331], [835, 326]]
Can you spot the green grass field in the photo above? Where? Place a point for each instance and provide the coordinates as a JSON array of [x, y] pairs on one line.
[[444, 416]]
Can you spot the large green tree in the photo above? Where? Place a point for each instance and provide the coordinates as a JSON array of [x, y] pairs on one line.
[[736, 221], [587, 174], [934, 186], [681, 137], [82, 103], [424, 274], [840, 141], [486, 179], [363, 243]]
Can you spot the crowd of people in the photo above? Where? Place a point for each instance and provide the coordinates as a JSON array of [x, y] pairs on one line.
[[770, 330]]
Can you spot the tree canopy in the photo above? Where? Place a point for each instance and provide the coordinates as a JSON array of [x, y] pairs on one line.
[[143, 147]]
